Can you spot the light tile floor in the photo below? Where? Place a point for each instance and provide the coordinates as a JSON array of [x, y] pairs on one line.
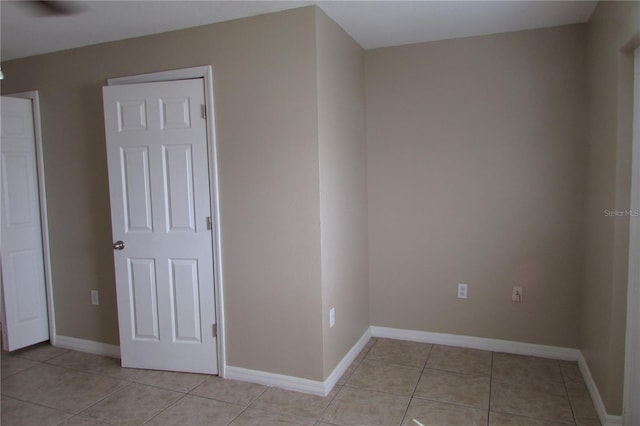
[[391, 382]]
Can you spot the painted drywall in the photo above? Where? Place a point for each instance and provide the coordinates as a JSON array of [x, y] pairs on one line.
[[475, 173], [613, 33], [343, 189], [266, 123]]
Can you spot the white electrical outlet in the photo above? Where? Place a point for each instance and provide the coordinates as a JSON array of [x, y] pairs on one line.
[[516, 295], [332, 317], [462, 291], [95, 298]]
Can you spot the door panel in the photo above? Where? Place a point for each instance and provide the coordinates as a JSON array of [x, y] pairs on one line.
[[136, 189], [179, 188], [142, 285], [17, 183], [184, 285], [25, 320], [160, 204]]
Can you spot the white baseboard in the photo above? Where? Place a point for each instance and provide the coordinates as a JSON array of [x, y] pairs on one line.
[[293, 383], [298, 384], [342, 366], [86, 346], [605, 419], [482, 343]]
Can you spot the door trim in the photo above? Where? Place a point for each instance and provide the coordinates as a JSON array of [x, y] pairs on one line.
[[206, 73], [631, 410], [34, 97]]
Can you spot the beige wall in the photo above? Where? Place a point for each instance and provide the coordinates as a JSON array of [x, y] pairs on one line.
[[343, 189], [613, 32], [266, 123], [476, 168]]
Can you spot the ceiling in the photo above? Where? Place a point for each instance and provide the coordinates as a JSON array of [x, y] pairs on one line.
[[25, 32]]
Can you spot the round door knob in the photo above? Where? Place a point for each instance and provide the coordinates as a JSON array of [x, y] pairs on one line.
[[118, 245]]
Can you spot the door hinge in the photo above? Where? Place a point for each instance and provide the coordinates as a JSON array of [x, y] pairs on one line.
[[209, 225], [214, 330], [203, 110]]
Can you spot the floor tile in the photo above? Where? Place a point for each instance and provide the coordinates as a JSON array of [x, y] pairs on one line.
[[194, 410], [294, 403], [14, 364], [132, 405], [383, 377], [79, 360], [364, 407], [572, 375], [40, 352], [254, 417], [28, 384], [460, 360], [525, 369], [431, 413], [19, 413], [400, 352], [77, 391], [501, 419], [588, 422], [113, 369], [83, 421], [233, 391], [181, 382], [582, 405], [527, 400], [454, 388]]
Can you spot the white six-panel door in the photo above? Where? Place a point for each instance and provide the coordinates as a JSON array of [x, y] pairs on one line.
[[160, 211], [25, 319]]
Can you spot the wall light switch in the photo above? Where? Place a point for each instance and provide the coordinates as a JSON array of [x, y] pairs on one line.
[[332, 317]]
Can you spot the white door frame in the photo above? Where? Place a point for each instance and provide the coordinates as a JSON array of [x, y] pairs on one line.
[[35, 107], [206, 73], [631, 410]]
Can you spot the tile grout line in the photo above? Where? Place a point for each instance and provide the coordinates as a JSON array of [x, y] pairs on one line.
[[566, 390], [22, 371], [40, 405], [86, 417], [244, 408], [165, 408], [102, 399], [424, 366]]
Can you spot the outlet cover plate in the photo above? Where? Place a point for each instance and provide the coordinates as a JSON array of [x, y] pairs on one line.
[[95, 298], [462, 291], [516, 295]]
